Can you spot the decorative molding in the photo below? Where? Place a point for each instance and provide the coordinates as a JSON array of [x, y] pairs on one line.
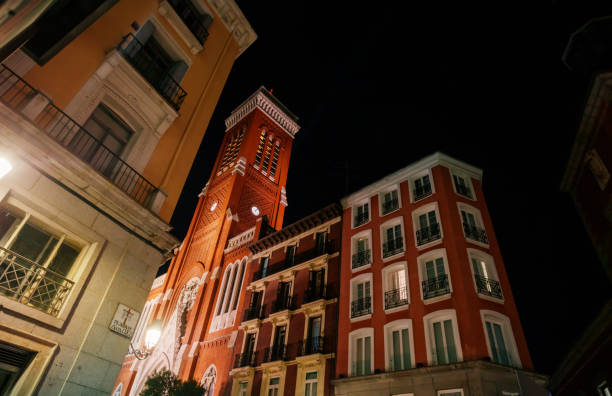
[[235, 22], [240, 240], [159, 281], [168, 12], [266, 102], [167, 295], [240, 166], [283, 197]]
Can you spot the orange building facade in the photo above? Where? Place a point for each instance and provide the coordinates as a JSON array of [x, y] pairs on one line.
[[203, 293], [425, 305]]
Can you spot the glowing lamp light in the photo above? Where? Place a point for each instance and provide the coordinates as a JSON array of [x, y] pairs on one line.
[[5, 167], [213, 206], [153, 334], [255, 210]]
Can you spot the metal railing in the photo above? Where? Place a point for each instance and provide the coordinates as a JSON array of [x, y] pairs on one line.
[[328, 248], [488, 286], [434, 287], [312, 345], [152, 70], [361, 219], [463, 190], [283, 303], [245, 359], [422, 192], [361, 258], [392, 247], [390, 206], [475, 233], [314, 293], [360, 307], [17, 94], [276, 352], [32, 284], [428, 234], [191, 17], [254, 312], [396, 298]]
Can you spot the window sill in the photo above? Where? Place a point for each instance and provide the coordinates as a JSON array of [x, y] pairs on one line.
[[465, 196], [490, 298], [477, 243], [361, 268], [32, 313], [394, 257], [361, 318], [434, 300], [389, 212], [414, 200], [429, 244], [361, 225], [397, 309]]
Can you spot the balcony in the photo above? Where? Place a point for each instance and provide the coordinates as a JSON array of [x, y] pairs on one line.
[[428, 234], [421, 192], [245, 360], [361, 307], [393, 247], [396, 298], [32, 284], [463, 190], [475, 233], [488, 287], [361, 218], [390, 206], [435, 287], [147, 64], [313, 345], [17, 94], [254, 312], [275, 353], [191, 17], [307, 255], [315, 293], [283, 303], [361, 258]]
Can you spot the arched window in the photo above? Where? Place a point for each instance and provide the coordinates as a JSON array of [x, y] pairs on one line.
[[260, 148], [118, 389], [208, 380], [230, 288], [267, 153], [275, 156], [223, 289], [238, 286]]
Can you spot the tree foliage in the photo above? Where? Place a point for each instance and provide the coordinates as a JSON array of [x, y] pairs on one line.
[[164, 383]]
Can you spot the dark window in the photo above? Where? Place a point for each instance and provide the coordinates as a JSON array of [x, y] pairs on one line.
[[13, 362]]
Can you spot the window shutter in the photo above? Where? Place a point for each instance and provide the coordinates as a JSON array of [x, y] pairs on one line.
[[450, 341], [476, 266], [397, 350], [432, 217], [429, 268], [492, 342], [439, 344], [359, 291], [367, 288], [406, 348], [499, 337], [440, 266], [359, 362], [367, 354]]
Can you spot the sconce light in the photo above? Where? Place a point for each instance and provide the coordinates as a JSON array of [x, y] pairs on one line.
[[5, 167], [152, 336]]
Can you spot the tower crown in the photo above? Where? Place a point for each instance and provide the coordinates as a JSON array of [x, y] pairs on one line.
[[271, 106]]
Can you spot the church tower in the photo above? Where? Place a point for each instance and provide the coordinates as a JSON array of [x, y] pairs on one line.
[[199, 298]]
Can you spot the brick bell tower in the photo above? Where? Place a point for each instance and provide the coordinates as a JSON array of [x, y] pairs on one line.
[[203, 289]]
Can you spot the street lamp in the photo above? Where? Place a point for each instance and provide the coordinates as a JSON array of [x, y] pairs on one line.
[[5, 167], [152, 336]]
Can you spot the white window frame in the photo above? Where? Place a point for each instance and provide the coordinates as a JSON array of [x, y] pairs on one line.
[[383, 235], [118, 389], [276, 386], [395, 187], [311, 381], [437, 316], [479, 222], [491, 271], [367, 277], [353, 336], [419, 175], [367, 234], [399, 324], [354, 212], [243, 391], [433, 206], [421, 260], [509, 340], [228, 296], [386, 271], [449, 391], [468, 182]]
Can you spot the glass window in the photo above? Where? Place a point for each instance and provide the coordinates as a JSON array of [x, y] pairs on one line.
[[393, 242], [362, 358], [389, 201], [472, 225], [243, 389], [462, 186], [443, 345], [428, 229], [398, 342], [396, 286], [361, 252], [311, 384], [274, 386], [361, 304], [422, 187], [361, 214]]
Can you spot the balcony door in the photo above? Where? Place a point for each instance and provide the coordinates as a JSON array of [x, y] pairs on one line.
[[314, 334], [13, 362], [316, 282], [321, 240], [249, 347]]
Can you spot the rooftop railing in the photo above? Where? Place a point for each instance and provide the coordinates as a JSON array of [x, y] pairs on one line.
[[18, 94]]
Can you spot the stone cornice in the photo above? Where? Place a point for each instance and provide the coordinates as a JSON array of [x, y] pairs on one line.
[[266, 102], [235, 21]]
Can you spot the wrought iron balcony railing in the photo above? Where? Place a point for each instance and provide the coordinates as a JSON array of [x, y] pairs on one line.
[[390, 206], [392, 247], [313, 345], [396, 298], [32, 284], [360, 307], [475, 233], [488, 286], [147, 64], [192, 18], [463, 190], [434, 287], [361, 258], [276, 352], [281, 304], [422, 192], [254, 312], [245, 359], [314, 293], [17, 94], [310, 254], [428, 234], [361, 219]]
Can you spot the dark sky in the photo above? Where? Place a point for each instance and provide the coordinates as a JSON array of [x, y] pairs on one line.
[[379, 87]]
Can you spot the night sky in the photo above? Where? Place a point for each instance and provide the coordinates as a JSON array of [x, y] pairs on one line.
[[376, 89]]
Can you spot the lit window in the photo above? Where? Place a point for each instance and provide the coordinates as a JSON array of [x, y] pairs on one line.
[[213, 206], [260, 148], [395, 285], [267, 153], [485, 274]]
